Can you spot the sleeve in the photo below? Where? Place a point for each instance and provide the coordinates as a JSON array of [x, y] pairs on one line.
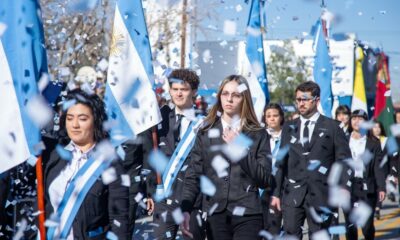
[[148, 174], [118, 205], [380, 172], [282, 164], [256, 164], [342, 153], [191, 186]]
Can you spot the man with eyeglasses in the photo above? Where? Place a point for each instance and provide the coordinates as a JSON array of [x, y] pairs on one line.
[[314, 143]]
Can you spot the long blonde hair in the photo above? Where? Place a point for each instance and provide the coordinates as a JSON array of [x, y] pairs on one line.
[[248, 118]]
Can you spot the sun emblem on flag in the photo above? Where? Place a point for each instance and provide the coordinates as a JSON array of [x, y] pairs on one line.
[[117, 43]]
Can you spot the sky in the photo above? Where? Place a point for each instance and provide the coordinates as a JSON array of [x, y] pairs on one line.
[[373, 21]]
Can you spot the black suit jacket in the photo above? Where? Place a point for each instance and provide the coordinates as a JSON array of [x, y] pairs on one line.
[[240, 187], [102, 205], [374, 175], [328, 145]]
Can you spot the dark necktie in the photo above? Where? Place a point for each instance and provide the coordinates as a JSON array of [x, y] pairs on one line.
[[306, 136], [177, 128]]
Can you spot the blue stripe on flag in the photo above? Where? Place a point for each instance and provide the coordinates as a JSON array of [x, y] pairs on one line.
[[133, 17], [323, 70], [23, 43], [122, 131], [254, 47]]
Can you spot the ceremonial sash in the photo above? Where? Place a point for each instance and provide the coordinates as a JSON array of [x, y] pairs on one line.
[[74, 196], [179, 156]]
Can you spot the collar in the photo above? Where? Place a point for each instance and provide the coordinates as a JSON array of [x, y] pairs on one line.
[[72, 147], [313, 118], [189, 113], [274, 135], [234, 125]]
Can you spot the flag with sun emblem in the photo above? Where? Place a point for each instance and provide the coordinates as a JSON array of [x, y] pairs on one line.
[[130, 100]]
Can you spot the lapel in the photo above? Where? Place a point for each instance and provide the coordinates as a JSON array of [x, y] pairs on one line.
[[218, 140], [170, 135], [317, 130], [54, 168]]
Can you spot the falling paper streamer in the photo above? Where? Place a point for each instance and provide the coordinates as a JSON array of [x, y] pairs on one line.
[[360, 214], [125, 180], [313, 165], [103, 65], [238, 211], [334, 174], [206, 186], [321, 235], [214, 133], [177, 216], [220, 165], [238, 148], [109, 176], [158, 161], [229, 27], [63, 153], [39, 111]]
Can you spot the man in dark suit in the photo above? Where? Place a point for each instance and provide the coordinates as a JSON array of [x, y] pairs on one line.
[[314, 144], [183, 85]]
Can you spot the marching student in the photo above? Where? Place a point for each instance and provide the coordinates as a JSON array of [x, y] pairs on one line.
[[97, 208], [176, 123], [274, 119], [368, 184], [234, 210], [311, 140], [342, 114]]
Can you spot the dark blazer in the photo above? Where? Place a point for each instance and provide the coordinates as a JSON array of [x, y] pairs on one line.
[[328, 145], [374, 175], [240, 187], [102, 205]]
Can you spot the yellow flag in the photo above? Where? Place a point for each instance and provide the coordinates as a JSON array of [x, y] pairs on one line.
[[359, 98]]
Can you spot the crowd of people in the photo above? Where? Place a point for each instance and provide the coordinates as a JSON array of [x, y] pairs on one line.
[[228, 175]]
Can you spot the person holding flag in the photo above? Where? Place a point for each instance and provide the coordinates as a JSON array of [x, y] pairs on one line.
[[175, 137], [86, 202]]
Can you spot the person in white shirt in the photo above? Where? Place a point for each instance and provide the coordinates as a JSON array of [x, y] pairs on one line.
[[274, 120], [368, 184], [104, 206]]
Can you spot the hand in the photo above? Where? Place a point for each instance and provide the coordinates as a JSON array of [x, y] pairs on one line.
[[229, 134], [185, 225], [381, 196], [396, 180], [276, 203], [150, 206]]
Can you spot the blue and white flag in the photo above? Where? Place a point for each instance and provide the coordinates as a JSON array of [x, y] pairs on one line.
[[323, 70], [130, 100], [255, 62], [22, 63]]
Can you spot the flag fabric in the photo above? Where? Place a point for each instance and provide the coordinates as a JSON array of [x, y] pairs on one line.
[[322, 70], [383, 111], [359, 97], [22, 63], [255, 62], [129, 98]]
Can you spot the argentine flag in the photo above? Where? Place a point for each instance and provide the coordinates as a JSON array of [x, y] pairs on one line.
[[323, 70], [254, 62], [130, 100], [22, 62]]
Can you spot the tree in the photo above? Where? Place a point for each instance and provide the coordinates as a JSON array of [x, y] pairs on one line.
[[285, 72]]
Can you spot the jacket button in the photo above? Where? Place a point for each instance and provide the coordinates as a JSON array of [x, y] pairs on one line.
[[226, 178]]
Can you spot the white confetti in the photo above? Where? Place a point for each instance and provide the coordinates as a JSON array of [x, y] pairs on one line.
[[334, 174], [212, 209], [321, 235], [239, 8], [214, 133], [103, 65], [125, 180], [220, 165], [3, 28], [39, 111], [322, 170], [360, 214], [238, 211], [229, 27], [339, 197], [177, 216], [109, 175], [138, 197], [206, 186], [241, 88], [43, 81]]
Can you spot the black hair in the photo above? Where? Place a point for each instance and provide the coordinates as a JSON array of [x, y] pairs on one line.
[[383, 132], [309, 86], [342, 109], [277, 107], [95, 104]]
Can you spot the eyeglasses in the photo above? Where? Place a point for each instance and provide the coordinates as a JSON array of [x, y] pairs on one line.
[[233, 95], [299, 100]]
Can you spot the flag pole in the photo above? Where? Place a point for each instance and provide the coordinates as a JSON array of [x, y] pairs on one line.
[[40, 197]]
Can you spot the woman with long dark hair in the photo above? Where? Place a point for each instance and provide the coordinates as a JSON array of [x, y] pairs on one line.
[[368, 183], [85, 203], [234, 208]]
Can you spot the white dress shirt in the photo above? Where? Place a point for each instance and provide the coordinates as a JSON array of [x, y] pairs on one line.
[[59, 185], [275, 138], [235, 124], [313, 119], [185, 121], [357, 147]]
